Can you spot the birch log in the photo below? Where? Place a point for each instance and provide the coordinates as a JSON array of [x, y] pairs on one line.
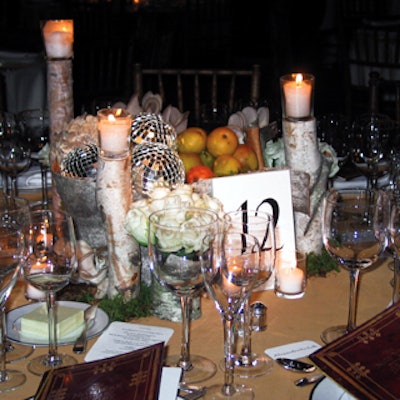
[[302, 154], [114, 197], [61, 108]]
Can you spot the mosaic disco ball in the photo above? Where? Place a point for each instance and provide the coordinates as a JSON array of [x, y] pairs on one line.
[[155, 164], [152, 128], [81, 162]]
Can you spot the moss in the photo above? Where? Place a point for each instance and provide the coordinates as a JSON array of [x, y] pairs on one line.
[[119, 309], [320, 264]]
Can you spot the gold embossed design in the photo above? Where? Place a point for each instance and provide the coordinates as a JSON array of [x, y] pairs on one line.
[[368, 335]]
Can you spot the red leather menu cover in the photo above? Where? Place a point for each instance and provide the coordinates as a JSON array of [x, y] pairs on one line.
[[366, 362], [134, 376]]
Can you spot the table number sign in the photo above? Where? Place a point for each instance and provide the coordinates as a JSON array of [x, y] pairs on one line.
[[268, 191]]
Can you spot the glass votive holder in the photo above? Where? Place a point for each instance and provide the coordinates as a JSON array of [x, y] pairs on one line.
[[291, 275], [114, 126], [297, 96], [58, 38]]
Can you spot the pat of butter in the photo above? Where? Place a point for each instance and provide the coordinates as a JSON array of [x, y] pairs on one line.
[[35, 323]]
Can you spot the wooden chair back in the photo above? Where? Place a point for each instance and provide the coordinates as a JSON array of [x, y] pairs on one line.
[[190, 89]]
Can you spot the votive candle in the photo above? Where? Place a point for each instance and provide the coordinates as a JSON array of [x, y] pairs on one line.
[[58, 38], [114, 126], [291, 280], [297, 95]]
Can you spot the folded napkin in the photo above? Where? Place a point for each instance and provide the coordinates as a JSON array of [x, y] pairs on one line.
[[32, 179], [359, 182]]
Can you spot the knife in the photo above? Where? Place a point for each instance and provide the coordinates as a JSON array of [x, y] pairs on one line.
[[80, 344]]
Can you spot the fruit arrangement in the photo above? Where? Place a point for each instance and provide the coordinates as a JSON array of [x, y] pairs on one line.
[[217, 153]]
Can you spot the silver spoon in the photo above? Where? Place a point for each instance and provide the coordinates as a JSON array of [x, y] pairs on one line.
[[307, 380]]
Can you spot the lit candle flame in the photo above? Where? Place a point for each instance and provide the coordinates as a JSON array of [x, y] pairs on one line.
[[299, 79]]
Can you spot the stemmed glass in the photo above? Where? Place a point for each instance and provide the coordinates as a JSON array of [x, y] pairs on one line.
[[261, 225], [12, 252], [50, 262], [180, 243], [394, 229], [229, 281], [353, 235], [35, 129], [371, 135], [15, 211], [14, 157], [334, 129]]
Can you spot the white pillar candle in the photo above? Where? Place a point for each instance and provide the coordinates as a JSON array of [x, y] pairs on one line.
[[114, 125], [297, 95], [291, 280], [59, 38]]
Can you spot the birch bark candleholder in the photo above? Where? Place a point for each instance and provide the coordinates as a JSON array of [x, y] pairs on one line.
[[114, 198], [302, 154], [58, 36]]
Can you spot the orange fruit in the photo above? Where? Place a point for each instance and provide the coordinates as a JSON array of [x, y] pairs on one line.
[[192, 140], [222, 140], [247, 157], [190, 160], [225, 165], [199, 172]]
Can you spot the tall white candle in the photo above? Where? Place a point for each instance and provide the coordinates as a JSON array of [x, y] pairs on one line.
[[297, 98], [114, 127], [59, 38]]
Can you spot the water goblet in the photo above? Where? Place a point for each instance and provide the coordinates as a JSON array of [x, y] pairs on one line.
[[229, 280], [180, 243], [371, 135], [394, 230], [12, 252], [35, 129], [261, 225], [50, 263], [334, 129], [14, 158], [353, 236], [14, 211]]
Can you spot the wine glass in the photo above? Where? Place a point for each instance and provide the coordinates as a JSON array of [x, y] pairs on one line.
[[394, 229], [371, 135], [180, 242], [35, 129], [15, 211], [12, 252], [261, 225], [229, 281], [14, 157], [334, 129], [50, 262], [353, 236]]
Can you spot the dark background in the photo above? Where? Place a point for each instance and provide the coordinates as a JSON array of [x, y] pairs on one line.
[[282, 36]]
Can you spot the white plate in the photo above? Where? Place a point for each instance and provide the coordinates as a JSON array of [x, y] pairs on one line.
[[14, 324], [328, 389]]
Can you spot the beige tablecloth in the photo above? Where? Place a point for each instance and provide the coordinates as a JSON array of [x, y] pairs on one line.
[[325, 304]]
